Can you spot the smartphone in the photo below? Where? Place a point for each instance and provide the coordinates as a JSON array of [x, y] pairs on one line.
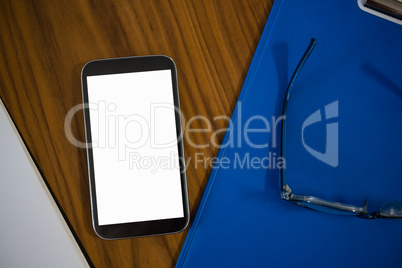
[[134, 147]]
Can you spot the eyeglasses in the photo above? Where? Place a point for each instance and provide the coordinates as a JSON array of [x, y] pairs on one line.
[[390, 210]]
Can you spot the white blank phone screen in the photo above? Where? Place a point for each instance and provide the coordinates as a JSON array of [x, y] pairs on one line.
[[135, 152]]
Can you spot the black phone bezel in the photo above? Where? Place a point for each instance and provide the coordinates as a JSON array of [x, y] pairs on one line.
[[128, 65]]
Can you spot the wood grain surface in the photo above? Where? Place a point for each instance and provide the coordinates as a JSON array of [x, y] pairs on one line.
[[43, 46]]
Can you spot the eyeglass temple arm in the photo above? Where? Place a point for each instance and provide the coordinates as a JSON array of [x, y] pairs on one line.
[[303, 60], [325, 203]]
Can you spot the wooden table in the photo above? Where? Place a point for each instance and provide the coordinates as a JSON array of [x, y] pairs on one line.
[[44, 45]]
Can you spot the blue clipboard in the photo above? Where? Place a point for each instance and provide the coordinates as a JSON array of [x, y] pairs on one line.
[[241, 220]]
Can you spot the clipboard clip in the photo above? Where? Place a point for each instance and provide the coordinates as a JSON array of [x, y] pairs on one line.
[[388, 9]]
